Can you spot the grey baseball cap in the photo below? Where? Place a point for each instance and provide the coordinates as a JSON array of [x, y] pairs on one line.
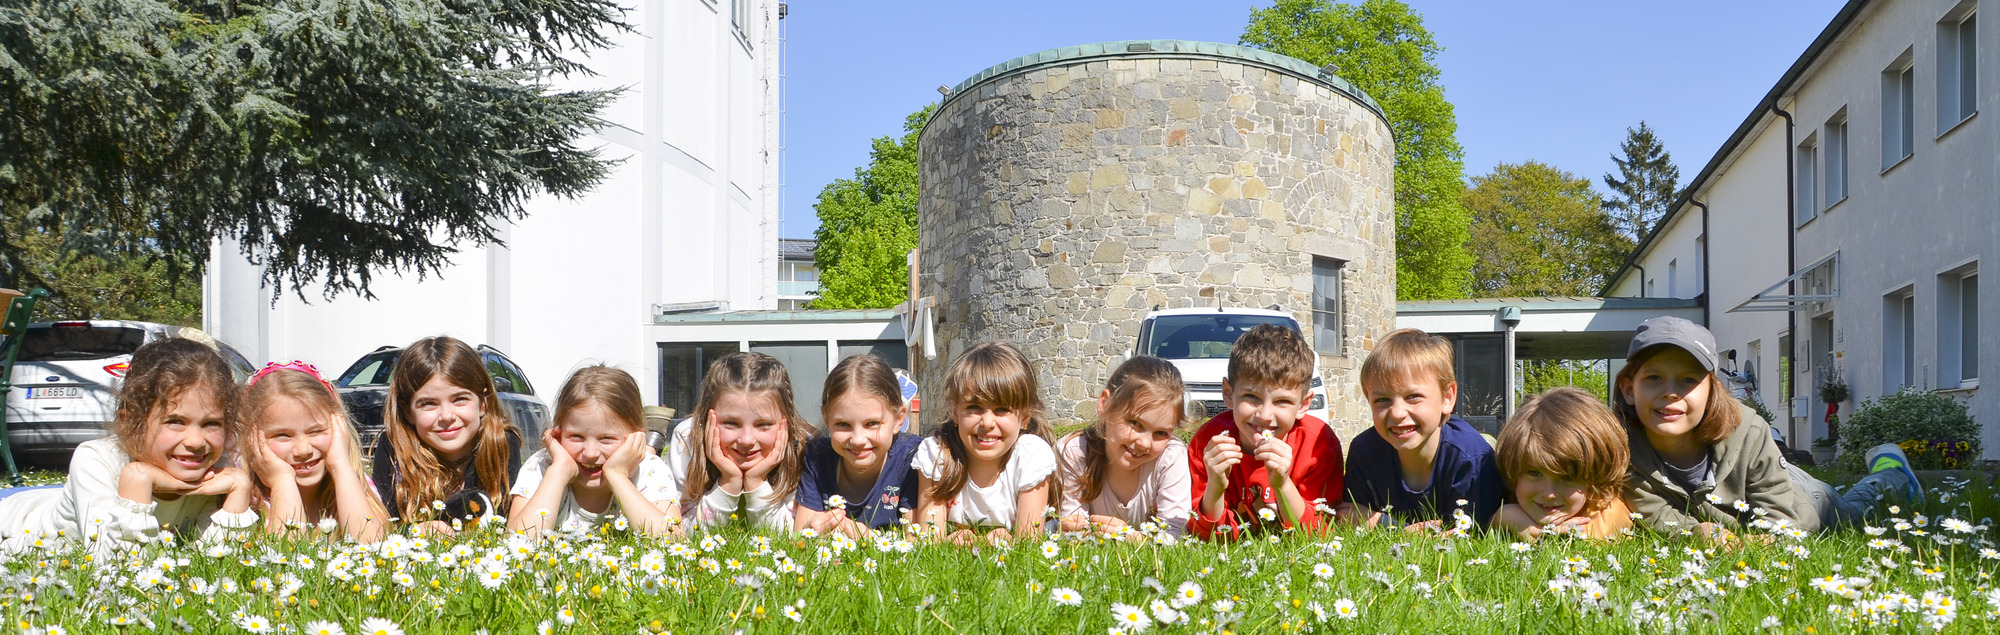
[[1691, 337]]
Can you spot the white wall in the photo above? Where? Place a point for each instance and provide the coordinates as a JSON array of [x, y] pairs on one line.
[[686, 217]]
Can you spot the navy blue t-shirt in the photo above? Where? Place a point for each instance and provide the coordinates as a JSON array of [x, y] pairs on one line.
[[895, 490], [1463, 469]]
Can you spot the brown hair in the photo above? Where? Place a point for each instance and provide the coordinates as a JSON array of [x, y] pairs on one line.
[[749, 373], [1407, 351], [1567, 433], [1718, 419], [612, 389], [423, 478], [159, 373], [867, 373], [318, 399], [1271, 355], [1139, 384], [994, 374]]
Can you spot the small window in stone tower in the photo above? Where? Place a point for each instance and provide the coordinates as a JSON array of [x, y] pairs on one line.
[[1329, 336]]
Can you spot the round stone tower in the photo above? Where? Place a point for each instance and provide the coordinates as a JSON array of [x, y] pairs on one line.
[[1066, 194]]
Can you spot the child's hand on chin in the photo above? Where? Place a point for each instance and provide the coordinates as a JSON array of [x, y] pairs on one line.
[[163, 485]]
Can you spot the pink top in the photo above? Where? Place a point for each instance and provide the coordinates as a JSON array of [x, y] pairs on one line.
[[1165, 491]]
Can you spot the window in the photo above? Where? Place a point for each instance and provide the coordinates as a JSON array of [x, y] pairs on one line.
[[1328, 335], [683, 366], [1899, 123], [1807, 195], [1835, 155], [805, 363], [1674, 278], [1958, 328], [1958, 68], [1899, 339]]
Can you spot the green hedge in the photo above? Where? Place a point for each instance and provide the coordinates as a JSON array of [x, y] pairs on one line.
[[1940, 425]]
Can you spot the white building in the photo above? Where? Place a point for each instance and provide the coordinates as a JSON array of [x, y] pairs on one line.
[[798, 274], [688, 220], [1845, 222]]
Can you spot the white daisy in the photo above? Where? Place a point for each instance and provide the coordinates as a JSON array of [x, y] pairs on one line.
[[1344, 608], [1131, 618], [379, 626], [1065, 596]]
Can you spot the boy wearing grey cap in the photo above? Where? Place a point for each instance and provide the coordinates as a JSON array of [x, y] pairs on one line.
[[1704, 463]]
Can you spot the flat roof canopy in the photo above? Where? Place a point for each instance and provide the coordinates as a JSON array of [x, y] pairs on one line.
[[1562, 327]]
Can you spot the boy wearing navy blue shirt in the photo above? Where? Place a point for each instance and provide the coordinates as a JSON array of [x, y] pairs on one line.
[[1419, 465]]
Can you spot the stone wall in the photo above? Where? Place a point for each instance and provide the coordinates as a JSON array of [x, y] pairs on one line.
[[1064, 197]]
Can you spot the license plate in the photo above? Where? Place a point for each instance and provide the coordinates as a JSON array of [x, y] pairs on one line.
[[54, 393]]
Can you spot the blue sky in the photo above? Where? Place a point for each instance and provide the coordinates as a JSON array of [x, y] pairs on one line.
[[1556, 82]]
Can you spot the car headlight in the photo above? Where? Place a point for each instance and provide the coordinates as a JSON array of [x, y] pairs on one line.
[[1318, 402]]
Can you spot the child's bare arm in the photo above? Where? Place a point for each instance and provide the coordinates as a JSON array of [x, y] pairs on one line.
[[931, 512], [1029, 506]]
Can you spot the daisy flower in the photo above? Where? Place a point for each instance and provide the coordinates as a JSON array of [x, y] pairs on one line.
[[255, 623], [1131, 618], [323, 627], [567, 616], [379, 626], [1189, 594], [1065, 596], [1344, 608]]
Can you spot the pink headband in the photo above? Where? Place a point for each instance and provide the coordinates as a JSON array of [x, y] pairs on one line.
[[297, 365]]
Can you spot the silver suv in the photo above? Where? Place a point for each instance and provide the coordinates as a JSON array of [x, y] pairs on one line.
[[67, 377]]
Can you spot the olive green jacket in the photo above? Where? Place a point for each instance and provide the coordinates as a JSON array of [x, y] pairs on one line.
[[1747, 467]]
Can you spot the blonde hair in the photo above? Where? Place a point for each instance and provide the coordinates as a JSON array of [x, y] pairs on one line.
[[1139, 384], [1271, 355], [1718, 418], [749, 373], [1567, 433], [993, 374], [1409, 351], [422, 477], [319, 400], [613, 390]]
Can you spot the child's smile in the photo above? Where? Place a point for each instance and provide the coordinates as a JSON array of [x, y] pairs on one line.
[[988, 433]]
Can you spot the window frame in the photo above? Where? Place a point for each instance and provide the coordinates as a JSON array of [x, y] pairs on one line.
[[1898, 112], [1334, 311], [1835, 156]]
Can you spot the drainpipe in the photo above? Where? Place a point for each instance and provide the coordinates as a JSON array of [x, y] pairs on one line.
[[1707, 294], [1510, 317], [1791, 256], [1642, 277]]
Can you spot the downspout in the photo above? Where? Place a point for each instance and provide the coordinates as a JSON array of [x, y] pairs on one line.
[[1791, 258], [1642, 277], [1707, 294]]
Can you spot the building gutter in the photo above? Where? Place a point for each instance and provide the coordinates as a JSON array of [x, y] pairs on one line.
[[1707, 294], [1834, 29], [1791, 228]]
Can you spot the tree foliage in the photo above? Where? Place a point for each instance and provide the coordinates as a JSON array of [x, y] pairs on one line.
[[868, 224], [1382, 48], [1540, 231], [333, 139], [85, 286], [1646, 183]]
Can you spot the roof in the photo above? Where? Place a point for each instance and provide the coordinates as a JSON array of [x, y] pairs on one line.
[[1552, 303], [1156, 49], [809, 315], [1209, 310], [1788, 81], [797, 248]]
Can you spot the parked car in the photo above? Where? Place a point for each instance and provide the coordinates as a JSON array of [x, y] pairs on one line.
[[1197, 341], [364, 387], [66, 381]]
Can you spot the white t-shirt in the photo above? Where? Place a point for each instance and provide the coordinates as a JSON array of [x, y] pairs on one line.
[[716, 507], [87, 507], [1031, 462], [653, 481], [1165, 490]]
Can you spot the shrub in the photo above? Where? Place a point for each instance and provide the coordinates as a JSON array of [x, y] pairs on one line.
[[1941, 427]]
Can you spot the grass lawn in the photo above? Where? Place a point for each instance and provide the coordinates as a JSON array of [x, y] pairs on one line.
[[1922, 571]]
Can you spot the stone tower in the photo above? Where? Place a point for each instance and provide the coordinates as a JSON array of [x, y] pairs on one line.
[[1067, 193]]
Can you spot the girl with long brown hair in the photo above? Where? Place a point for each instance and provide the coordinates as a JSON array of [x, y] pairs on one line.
[[1127, 469], [986, 469], [451, 453], [740, 455]]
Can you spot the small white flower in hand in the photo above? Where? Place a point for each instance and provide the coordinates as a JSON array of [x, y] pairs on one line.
[[836, 501]]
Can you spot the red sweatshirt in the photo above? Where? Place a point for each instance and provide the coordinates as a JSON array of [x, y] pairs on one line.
[[1316, 472]]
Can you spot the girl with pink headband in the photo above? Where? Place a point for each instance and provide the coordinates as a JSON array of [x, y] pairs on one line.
[[306, 456]]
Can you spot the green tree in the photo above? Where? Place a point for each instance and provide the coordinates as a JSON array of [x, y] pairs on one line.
[[1382, 48], [333, 139], [87, 286], [1539, 375], [868, 224], [1646, 183], [1540, 231]]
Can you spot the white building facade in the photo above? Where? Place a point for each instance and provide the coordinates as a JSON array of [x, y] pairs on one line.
[[1840, 232], [688, 220]]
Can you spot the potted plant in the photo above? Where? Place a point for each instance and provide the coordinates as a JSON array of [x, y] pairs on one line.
[[1832, 392]]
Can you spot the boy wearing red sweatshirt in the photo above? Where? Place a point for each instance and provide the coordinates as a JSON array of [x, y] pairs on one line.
[[1264, 464]]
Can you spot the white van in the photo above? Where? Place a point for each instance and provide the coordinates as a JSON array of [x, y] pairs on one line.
[[1197, 341]]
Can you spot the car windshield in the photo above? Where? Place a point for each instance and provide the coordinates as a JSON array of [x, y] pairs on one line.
[[371, 370], [79, 341], [1204, 336]]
